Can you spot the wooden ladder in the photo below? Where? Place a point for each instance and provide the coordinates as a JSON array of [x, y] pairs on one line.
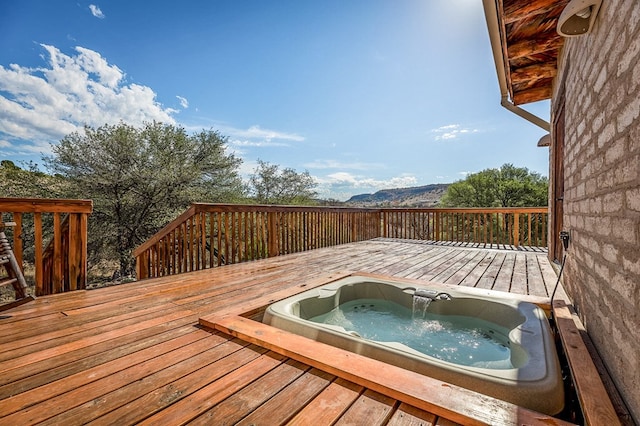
[[14, 276]]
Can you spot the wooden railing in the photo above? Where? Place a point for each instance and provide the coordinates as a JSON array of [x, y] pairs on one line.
[[210, 235], [56, 231], [495, 226]]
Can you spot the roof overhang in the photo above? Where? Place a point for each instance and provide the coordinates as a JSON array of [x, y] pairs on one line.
[[525, 45]]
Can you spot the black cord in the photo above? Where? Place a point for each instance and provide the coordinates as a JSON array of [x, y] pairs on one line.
[[564, 257]]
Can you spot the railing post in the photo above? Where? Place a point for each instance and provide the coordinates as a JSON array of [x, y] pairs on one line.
[[272, 235], [516, 229], [436, 233]]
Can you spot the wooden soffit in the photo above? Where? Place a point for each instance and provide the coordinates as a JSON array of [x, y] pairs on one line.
[[530, 46]]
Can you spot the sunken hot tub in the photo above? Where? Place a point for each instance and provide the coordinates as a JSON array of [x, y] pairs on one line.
[[495, 346]]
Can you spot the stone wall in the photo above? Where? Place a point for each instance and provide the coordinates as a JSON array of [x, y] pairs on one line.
[[599, 74]]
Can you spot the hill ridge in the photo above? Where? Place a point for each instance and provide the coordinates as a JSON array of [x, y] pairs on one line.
[[415, 196]]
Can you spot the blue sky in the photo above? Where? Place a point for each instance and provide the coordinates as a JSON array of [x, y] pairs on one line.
[[363, 94]]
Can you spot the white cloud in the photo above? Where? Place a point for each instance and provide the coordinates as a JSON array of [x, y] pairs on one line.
[[184, 103], [42, 105], [451, 131], [256, 132], [255, 143], [356, 181], [257, 137], [95, 11], [335, 164]]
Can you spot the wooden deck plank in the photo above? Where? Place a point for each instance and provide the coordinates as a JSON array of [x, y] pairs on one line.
[[535, 282], [19, 400], [119, 396], [160, 398], [202, 400], [38, 373], [406, 415], [11, 364], [84, 388], [432, 268], [33, 327], [283, 406], [446, 422], [488, 278], [329, 405], [460, 263], [422, 261], [407, 258], [277, 279], [550, 278], [432, 262], [73, 366], [447, 268], [461, 274], [503, 279], [243, 402], [472, 278], [64, 301], [76, 330], [519, 278], [370, 409]]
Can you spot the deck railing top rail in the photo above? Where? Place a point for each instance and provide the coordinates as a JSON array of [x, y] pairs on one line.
[[468, 209], [45, 205]]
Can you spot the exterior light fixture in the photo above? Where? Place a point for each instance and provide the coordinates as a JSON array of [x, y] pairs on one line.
[[545, 140], [578, 17]]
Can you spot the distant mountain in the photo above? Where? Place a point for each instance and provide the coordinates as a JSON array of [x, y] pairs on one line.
[[417, 196]]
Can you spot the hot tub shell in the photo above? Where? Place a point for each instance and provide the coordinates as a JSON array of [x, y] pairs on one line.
[[535, 382]]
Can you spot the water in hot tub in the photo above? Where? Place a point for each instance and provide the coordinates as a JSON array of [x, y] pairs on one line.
[[456, 339]]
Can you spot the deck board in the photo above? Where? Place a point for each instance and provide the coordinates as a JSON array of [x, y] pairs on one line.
[[243, 402], [202, 400], [505, 274], [406, 415], [488, 279], [31, 381], [229, 357], [370, 409], [135, 354], [329, 405], [283, 406], [519, 279]]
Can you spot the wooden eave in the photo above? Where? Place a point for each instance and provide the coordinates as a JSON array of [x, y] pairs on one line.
[[530, 46]]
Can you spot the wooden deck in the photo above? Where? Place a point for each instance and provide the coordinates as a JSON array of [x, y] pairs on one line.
[[136, 353]]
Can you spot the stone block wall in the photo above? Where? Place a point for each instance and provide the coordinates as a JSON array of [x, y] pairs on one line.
[[599, 74]]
